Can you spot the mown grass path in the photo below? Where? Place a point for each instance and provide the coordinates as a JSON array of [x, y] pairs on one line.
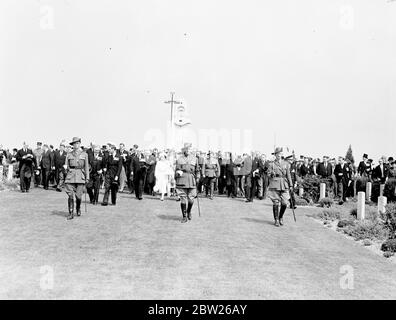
[[140, 250]]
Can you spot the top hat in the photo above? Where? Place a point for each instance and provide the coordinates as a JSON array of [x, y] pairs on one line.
[[277, 150], [75, 140], [365, 155]]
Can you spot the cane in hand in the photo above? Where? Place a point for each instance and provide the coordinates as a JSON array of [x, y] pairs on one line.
[[85, 195]]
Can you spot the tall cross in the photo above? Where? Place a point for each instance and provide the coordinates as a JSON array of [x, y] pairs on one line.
[[171, 101]]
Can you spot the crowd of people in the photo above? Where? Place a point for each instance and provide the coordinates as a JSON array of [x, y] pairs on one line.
[[119, 169]]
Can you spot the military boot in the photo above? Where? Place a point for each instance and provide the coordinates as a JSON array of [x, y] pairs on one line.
[[282, 211], [189, 207], [183, 209], [70, 203], [78, 207], [275, 209]]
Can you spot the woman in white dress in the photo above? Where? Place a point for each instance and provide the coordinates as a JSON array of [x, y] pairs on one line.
[[163, 170]]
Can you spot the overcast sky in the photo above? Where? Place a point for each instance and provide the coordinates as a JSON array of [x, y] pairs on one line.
[[319, 75]]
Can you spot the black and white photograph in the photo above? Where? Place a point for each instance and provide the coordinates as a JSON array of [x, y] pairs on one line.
[[214, 150]]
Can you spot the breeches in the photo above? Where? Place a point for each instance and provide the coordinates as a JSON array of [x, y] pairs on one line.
[[279, 196], [74, 189], [186, 194]]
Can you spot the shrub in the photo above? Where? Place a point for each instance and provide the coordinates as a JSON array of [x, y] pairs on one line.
[[390, 219], [370, 213], [389, 190], [301, 201], [367, 229], [329, 214], [389, 245], [388, 254], [311, 185], [343, 223], [9, 185], [326, 202], [367, 242]]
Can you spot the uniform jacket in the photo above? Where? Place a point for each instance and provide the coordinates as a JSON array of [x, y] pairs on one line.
[[138, 165], [113, 165], [77, 167], [211, 168], [189, 166], [238, 167], [279, 175], [37, 154], [97, 163], [59, 159]]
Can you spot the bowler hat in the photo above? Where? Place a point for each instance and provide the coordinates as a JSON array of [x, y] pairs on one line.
[[75, 140], [277, 150]]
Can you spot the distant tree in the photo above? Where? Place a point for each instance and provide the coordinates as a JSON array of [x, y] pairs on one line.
[[349, 155]]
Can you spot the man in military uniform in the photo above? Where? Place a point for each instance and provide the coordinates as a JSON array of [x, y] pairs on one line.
[[187, 173], [279, 185], [77, 168]]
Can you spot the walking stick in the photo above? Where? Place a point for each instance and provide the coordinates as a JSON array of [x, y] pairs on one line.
[[199, 209], [85, 195]]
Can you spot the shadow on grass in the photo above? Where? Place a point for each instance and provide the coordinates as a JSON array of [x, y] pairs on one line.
[[167, 217], [60, 213], [258, 221]]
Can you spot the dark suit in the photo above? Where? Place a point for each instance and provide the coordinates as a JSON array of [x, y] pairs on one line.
[[60, 172], [257, 164], [113, 165], [25, 168], [343, 177], [139, 170], [381, 173], [97, 164], [325, 171], [303, 170], [47, 162]]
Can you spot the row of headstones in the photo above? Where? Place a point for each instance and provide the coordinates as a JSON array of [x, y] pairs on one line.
[[10, 173], [362, 197]]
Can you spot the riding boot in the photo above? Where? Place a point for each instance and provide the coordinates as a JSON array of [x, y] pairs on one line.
[[275, 209], [78, 207], [70, 203], [189, 207], [282, 211], [183, 209]]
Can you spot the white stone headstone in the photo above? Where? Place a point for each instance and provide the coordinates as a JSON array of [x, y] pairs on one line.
[[10, 172], [322, 190], [382, 204], [368, 190], [300, 192], [361, 205], [382, 187]]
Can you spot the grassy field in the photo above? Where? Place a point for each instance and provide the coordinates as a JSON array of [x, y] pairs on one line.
[[140, 250]]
